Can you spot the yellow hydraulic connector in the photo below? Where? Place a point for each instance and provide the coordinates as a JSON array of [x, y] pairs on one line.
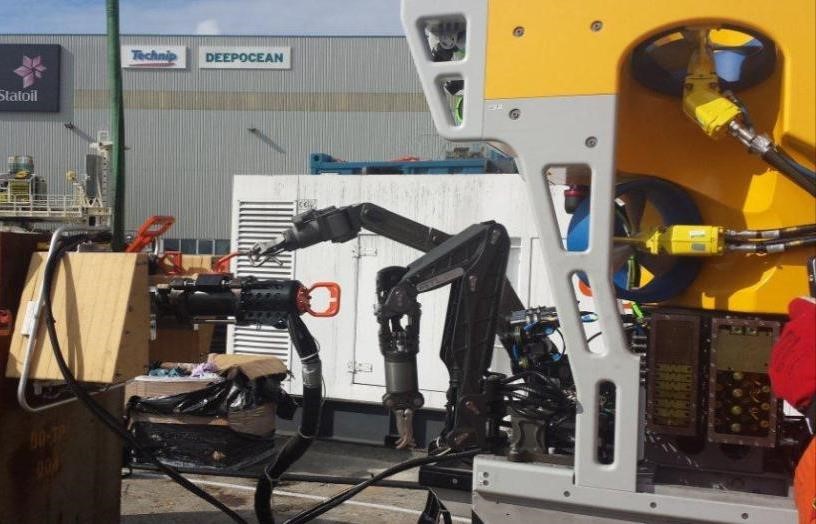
[[680, 240], [702, 100]]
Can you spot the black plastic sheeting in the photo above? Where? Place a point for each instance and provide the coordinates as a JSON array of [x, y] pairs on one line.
[[219, 448], [236, 393], [216, 448]]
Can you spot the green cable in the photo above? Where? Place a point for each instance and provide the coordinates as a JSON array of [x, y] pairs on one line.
[[637, 311]]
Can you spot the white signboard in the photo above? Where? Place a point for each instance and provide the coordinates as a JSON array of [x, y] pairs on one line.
[[151, 56], [218, 57]]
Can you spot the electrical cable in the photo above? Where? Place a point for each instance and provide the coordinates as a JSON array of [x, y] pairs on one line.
[[295, 477], [338, 499], [83, 396], [563, 342], [596, 335]]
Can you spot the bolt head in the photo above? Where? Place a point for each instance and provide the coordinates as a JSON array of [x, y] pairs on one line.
[[591, 141], [515, 114], [518, 32], [596, 26]]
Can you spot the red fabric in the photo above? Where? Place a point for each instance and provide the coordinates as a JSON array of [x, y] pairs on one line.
[[793, 360], [804, 485]]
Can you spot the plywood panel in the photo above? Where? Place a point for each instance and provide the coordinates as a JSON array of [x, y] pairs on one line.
[[59, 466], [101, 307]]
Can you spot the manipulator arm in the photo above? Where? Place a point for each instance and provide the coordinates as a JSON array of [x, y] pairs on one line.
[[344, 223], [312, 227]]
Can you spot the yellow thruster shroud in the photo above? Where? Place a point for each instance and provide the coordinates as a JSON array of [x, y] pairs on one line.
[[560, 55]]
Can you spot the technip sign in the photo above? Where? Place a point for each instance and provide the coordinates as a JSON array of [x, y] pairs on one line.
[[148, 56], [30, 77], [217, 57]]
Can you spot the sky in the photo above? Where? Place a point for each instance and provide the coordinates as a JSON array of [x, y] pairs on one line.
[[211, 17]]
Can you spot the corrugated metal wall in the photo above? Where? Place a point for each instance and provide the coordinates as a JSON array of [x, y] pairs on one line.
[[187, 130]]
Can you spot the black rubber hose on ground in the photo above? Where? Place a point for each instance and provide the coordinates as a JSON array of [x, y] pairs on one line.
[[296, 445], [83, 396], [338, 499]]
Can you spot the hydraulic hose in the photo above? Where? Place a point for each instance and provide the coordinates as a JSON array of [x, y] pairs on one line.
[[780, 161], [770, 234], [83, 396], [773, 246], [295, 446], [338, 499], [775, 156]]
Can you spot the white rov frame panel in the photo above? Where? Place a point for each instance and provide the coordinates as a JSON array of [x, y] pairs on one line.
[[545, 133]]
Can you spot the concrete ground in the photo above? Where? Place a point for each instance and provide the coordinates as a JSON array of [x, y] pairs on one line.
[[149, 498]]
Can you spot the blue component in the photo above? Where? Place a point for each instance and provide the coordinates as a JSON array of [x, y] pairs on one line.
[[494, 162], [729, 63], [675, 206], [578, 240]]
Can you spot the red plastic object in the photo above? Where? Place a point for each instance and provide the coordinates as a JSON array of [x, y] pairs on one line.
[[175, 258], [6, 322], [153, 227], [222, 264], [305, 295], [793, 360]]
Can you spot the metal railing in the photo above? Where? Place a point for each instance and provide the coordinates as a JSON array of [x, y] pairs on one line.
[[51, 207]]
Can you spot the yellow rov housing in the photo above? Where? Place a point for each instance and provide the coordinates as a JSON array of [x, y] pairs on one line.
[[586, 50]]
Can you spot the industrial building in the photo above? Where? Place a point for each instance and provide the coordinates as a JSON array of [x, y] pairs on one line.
[[191, 126]]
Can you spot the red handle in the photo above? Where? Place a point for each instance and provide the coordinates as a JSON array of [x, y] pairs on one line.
[[334, 299], [155, 226]]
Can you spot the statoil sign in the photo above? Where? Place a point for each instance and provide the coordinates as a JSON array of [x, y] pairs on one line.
[[30, 77], [218, 57], [153, 56]]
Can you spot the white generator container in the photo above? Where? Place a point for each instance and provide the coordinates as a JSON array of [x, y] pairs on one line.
[[263, 206]]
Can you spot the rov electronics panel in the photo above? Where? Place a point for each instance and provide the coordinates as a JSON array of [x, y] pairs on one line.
[[708, 371], [742, 410], [674, 356]]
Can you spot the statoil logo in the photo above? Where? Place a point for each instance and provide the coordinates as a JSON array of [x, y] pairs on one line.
[[31, 70], [30, 77]]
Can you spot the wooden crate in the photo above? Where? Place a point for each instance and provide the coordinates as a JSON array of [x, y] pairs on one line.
[[102, 309], [61, 465], [15, 255]]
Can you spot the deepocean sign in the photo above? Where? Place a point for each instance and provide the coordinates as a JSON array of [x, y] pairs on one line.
[[152, 56], [217, 57], [30, 78]]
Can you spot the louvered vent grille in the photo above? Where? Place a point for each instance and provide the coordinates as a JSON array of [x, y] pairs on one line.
[[262, 222]]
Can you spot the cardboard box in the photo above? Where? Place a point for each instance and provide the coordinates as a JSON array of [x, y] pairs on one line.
[[256, 421]]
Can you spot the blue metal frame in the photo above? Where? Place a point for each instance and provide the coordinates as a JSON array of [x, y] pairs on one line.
[[320, 163]]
